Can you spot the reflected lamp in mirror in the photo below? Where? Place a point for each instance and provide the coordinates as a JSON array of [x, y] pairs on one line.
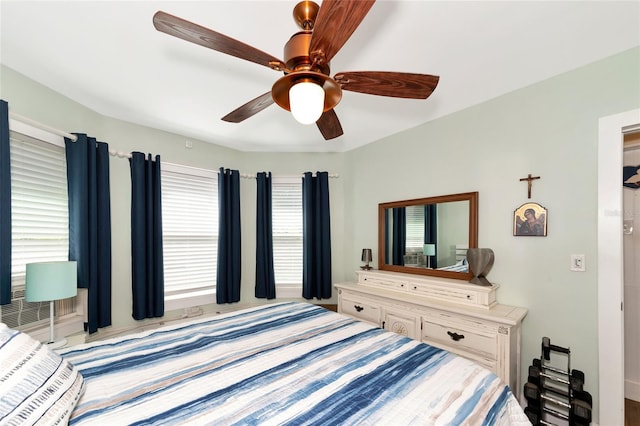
[[429, 250], [367, 257], [50, 281]]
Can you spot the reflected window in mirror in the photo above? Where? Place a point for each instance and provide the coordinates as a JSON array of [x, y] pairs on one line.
[[411, 228]]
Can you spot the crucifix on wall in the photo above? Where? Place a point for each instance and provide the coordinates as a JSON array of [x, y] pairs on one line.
[[529, 180]]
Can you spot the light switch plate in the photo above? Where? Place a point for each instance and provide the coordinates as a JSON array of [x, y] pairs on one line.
[[577, 263]]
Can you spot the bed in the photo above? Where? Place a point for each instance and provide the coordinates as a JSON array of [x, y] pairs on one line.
[[286, 363], [460, 266]]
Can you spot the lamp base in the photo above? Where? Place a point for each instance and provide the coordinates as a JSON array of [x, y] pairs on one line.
[[57, 344], [366, 267]]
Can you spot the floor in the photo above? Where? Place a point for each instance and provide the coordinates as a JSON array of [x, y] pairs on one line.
[[333, 308], [631, 412]]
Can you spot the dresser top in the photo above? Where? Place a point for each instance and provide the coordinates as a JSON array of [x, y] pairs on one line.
[[441, 293], [424, 279]]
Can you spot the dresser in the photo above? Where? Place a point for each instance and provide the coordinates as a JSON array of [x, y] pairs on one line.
[[455, 315]]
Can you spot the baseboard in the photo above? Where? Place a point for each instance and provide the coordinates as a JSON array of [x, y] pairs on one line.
[[62, 327], [632, 390]]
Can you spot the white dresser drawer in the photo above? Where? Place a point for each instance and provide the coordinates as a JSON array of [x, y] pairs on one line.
[[436, 311], [361, 309], [460, 337], [404, 323]]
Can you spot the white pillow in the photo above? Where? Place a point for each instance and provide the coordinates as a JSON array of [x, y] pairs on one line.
[[37, 386]]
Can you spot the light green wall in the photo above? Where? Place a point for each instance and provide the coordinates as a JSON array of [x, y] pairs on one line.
[[549, 129], [36, 102]]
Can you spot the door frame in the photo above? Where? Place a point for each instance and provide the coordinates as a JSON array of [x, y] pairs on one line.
[[610, 264]]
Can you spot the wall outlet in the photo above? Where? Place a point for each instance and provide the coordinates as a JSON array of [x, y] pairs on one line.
[[577, 263]]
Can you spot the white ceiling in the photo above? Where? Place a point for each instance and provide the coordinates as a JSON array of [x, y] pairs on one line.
[[107, 56]]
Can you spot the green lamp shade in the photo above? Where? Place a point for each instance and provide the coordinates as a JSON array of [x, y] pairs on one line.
[[48, 281], [429, 249]]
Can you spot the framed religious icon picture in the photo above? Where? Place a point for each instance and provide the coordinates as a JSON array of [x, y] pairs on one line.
[[530, 220]]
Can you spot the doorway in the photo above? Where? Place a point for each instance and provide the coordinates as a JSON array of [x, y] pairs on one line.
[[610, 264], [631, 250]]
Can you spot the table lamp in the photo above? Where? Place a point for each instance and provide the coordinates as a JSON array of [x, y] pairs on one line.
[[367, 257], [429, 250], [50, 281]]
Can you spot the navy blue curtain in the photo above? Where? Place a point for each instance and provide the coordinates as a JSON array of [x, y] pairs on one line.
[[265, 277], [399, 246], [90, 224], [387, 237], [228, 277], [5, 206], [431, 230], [147, 275], [316, 226]]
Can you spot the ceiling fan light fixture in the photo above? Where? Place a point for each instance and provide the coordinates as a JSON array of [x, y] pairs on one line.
[[306, 100], [307, 55]]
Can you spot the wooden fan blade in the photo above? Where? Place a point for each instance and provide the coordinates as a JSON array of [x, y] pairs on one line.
[[336, 21], [393, 84], [329, 125], [249, 109], [197, 34]]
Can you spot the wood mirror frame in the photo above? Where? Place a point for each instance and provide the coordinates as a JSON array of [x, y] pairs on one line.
[[471, 197]]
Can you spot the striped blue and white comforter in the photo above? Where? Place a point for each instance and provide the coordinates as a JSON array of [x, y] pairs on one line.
[[283, 364]]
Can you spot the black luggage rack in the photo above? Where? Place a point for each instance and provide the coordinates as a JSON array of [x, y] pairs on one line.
[[553, 392]]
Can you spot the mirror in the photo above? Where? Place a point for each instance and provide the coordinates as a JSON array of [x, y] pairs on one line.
[[428, 236]]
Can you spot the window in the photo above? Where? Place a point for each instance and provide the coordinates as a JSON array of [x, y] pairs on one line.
[[415, 229], [39, 221], [286, 196], [189, 234]]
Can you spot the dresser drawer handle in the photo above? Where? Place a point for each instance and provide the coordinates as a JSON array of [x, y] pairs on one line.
[[455, 336], [358, 308]]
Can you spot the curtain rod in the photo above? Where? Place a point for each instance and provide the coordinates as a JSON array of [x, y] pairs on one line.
[[74, 138], [42, 126], [57, 132], [252, 176]]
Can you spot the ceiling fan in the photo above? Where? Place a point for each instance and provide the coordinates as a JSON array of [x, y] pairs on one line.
[[306, 89]]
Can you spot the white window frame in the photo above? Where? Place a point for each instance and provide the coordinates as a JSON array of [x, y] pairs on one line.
[[72, 321], [200, 294], [287, 289]]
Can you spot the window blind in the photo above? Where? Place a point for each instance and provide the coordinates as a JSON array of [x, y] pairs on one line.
[[39, 222], [415, 228], [189, 228], [39, 204], [286, 196]]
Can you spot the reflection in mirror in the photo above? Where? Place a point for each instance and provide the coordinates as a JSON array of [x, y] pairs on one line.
[[428, 236], [414, 235]]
